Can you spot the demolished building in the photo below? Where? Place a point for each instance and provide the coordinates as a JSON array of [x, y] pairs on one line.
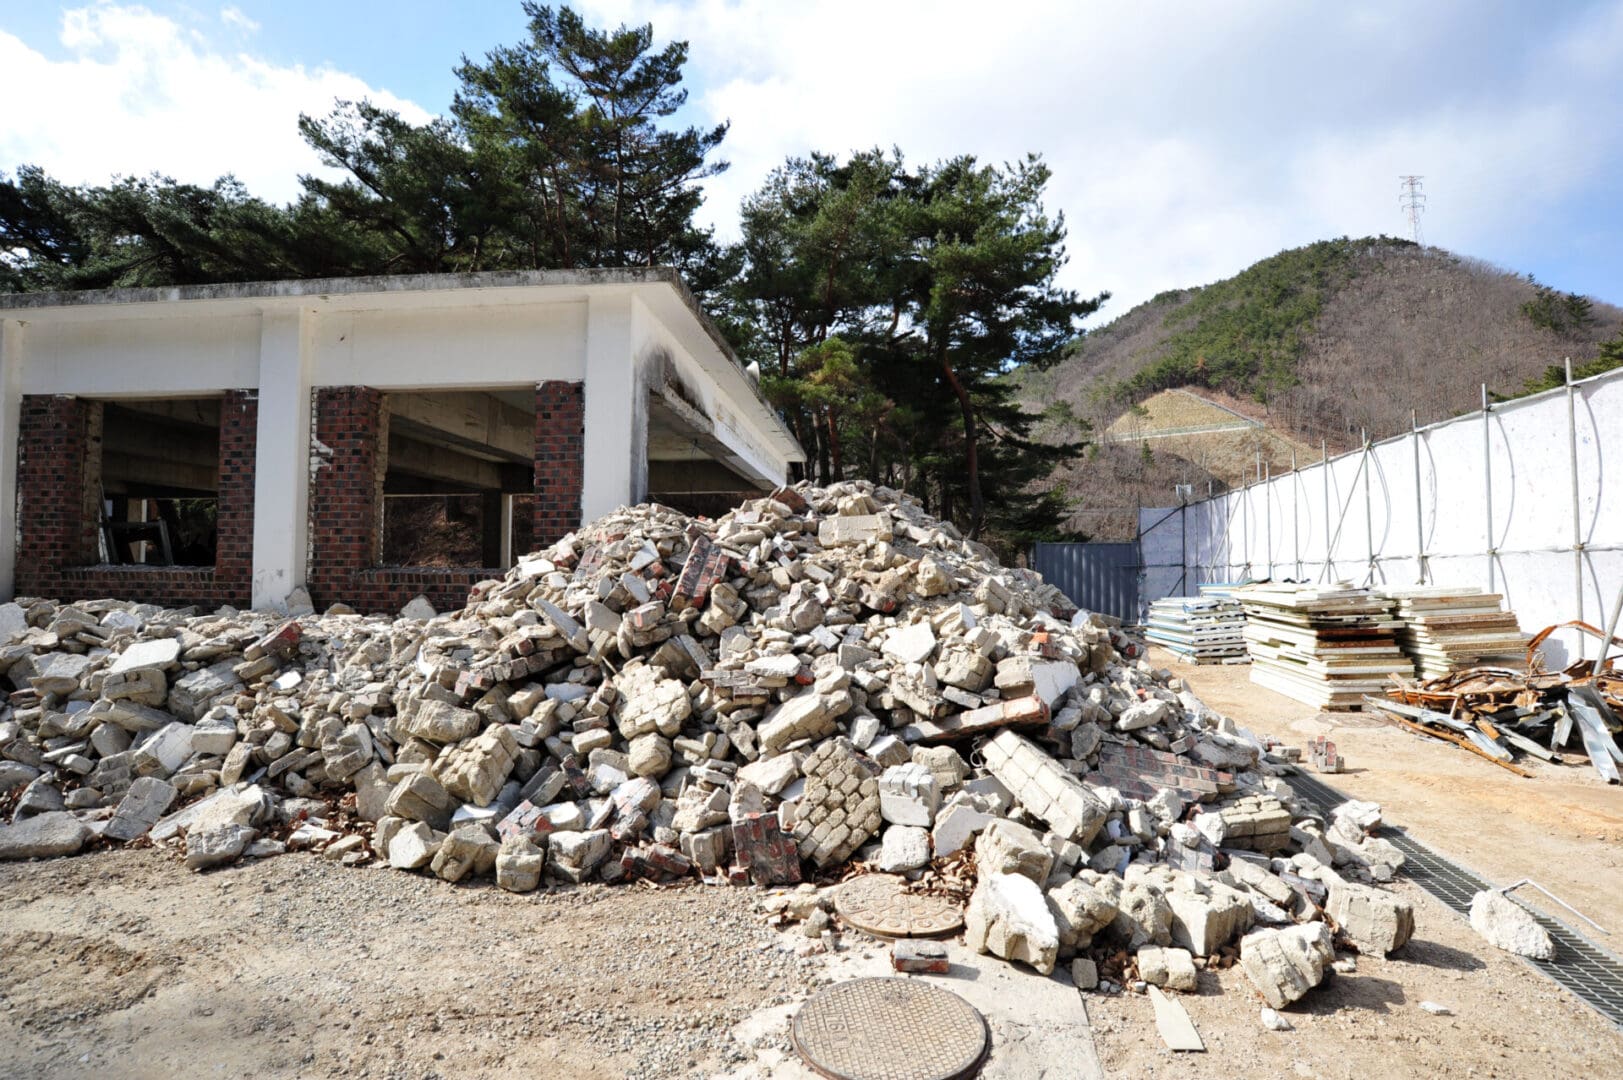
[[297, 413]]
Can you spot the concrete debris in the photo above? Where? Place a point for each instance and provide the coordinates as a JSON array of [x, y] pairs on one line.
[[1506, 924], [819, 676], [1008, 917], [1285, 964]]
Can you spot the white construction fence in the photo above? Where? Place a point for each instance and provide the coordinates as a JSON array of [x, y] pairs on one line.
[[1523, 498]]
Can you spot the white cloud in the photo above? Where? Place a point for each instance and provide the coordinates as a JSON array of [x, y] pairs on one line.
[[235, 16], [139, 93], [1187, 139]]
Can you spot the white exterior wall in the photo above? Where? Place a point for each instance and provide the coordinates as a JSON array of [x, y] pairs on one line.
[[1498, 516], [287, 344]]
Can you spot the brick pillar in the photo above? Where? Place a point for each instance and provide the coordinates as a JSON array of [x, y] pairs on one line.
[[234, 517], [58, 489], [560, 447], [348, 460]]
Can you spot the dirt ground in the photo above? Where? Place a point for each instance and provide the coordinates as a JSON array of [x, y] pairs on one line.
[[122, 963], [1563, 828]]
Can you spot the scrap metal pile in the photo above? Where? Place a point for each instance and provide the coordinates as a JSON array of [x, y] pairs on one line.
[[822, 680], [1503, 714]]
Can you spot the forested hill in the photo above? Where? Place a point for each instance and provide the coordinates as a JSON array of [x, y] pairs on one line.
[[1335, 337]]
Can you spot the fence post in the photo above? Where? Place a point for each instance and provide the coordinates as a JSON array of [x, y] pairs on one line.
[[1419, 503], [1487, 481], [1296, 517], [1369, 515], [1329, 544], [1268, 517], [1572, 462]]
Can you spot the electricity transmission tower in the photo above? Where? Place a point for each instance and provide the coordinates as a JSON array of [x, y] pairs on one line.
[[1413, 202]]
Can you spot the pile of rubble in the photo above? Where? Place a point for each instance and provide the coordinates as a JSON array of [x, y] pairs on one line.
[[822, 680]]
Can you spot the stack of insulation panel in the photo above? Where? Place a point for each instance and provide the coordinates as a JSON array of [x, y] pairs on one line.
[[1445, 629], [1208, 629], [1325, 646]]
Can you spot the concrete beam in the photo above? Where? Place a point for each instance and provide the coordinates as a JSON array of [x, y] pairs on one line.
[[126, 433], [474, 421], [411, 457], [191, 412], [157, 477], [11, 370], [697, 478]]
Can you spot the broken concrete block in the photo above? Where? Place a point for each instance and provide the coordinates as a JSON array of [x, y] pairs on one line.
[[1506, 924], [43, 836], [853, 529], [904, 848], [436, 722], [956, 826], [1375, 920], [573, 856], [909, 795], [811, 715], [1085, 973], [947, 765], [1171, 968], [155, 653], [1019, 676], [1206, 915], [145, 802], [164, 751], [208, 848], [1005, 847], [1285, 964], [194, 693], [1082, 907], [911, 644], [412, 846], [475, 770], [468, 849], [1008, 917], [419, 797]]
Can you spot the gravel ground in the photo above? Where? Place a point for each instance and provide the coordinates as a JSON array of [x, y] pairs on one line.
[[124, 963]]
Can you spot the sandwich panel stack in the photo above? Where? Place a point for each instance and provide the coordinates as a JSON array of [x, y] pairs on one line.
[[1445, 629], [1325, 646], [1208, 629]]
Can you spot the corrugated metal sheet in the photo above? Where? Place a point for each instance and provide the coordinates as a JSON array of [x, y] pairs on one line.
[[1096, 577]]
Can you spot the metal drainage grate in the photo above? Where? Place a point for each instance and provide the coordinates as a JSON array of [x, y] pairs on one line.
[[1583, 967]]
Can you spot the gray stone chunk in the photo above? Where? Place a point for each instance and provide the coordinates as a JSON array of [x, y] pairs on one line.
[[1285, 964], [1509, 926], [1008, 917], [140, 809], [43, 836], [1375, 920], [207, 848]]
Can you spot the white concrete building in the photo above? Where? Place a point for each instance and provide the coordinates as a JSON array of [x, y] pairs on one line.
[[302, 408]]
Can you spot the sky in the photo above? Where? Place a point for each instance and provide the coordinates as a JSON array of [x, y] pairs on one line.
[[1187, 139]]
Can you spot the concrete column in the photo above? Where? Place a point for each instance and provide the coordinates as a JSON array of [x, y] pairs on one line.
[[282, 474], [612, 407], [11, 376]]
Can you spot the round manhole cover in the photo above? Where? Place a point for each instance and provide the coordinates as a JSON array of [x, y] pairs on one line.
[[890, 1029], [876, 904]]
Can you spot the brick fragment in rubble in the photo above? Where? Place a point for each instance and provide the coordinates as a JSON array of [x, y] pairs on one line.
[[1018, 712], [763, 853], [840, 808]]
